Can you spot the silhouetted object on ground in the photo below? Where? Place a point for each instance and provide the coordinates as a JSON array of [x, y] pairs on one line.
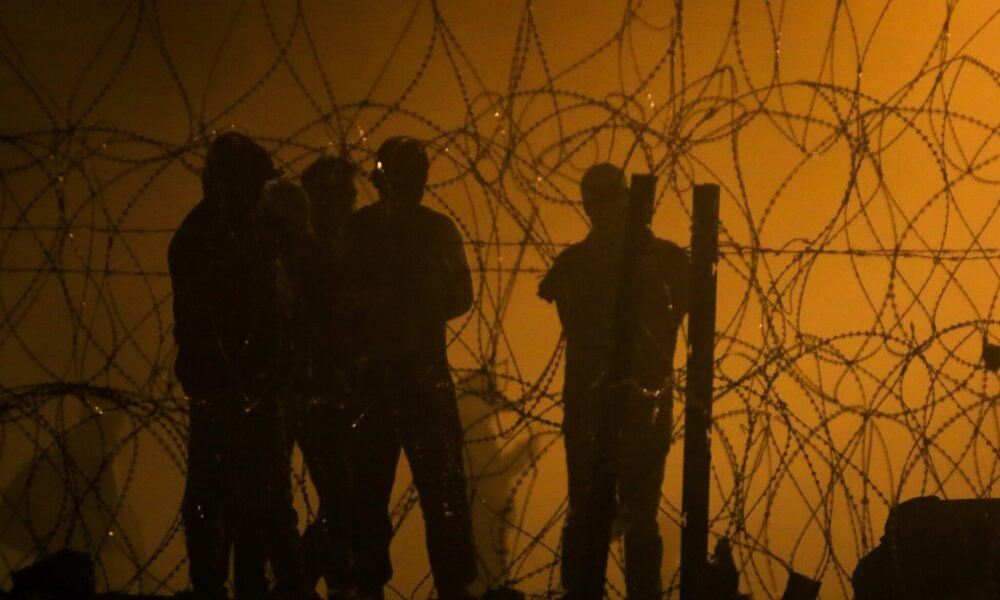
[[603, 474], [64, 575], [722, 581], [68, 494], [67, 575], [238, 492], [408, 276], [800, 587], [323, 424], [934, 549], [991, 356]]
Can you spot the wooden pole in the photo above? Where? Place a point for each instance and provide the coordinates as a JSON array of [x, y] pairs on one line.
[[700, 371], [626, 317]]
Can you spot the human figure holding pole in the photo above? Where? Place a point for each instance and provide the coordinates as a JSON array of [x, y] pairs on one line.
[[621, 292]]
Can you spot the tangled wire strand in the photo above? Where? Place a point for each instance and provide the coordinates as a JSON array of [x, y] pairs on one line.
[[853, 303]]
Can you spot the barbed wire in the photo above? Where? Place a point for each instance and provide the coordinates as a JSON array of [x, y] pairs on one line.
[[857, 279]]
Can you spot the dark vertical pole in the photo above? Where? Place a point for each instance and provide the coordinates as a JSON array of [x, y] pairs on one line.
[[625, 321], [626, 317], [616, 394], [700, 370]]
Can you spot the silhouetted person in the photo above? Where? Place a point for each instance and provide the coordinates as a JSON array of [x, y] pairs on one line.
[[290, 251], [329, 181], [583, 283], [295, 262], [324, 423], [409, 276], [238, 493]]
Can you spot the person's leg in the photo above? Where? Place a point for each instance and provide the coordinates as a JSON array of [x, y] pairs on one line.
[[323, 439], [433, 442], [204, 504], [643, 546], [282, 539], [374, 453], [587, 532], [309, 435], [267, 526], [249, 561], [578, 476], [250, 551], [640, 490]]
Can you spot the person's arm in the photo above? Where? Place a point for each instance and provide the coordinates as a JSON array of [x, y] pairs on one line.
[[552, 287], [458, 299], [190, 311], [192, 318], [548, 287]]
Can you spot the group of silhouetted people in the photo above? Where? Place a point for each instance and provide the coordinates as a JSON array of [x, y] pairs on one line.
[[299, 320]]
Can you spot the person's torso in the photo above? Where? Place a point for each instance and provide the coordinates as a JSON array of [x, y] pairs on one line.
[[226, 276], [401, 278], [590, 279]]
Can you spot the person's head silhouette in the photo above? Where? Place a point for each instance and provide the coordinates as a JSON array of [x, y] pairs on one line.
[[401, 170], [285, 212], [329, 181], [605, 198], [236, 169]]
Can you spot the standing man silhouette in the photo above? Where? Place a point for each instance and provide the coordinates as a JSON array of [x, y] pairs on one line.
[[409, 276], [238, 491], [615, 472]]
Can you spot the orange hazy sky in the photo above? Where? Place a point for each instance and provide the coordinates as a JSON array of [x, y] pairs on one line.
[[861, 134]]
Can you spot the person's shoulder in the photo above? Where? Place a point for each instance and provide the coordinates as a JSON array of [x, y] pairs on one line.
[[664, 245], [363, 216], [198, 216], [365, 212], [671, 260], [434, 222], [667, 249], [435, 217], [194, 240], [570, 263], [568, 260], [571, 255], [197, 224]]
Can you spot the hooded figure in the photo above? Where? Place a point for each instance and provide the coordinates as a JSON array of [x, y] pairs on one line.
[[238, 493], [615, 473], [407, 275]]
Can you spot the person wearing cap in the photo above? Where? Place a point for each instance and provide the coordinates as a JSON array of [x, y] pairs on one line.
[[408, 276], [615, 476], [238, 491], [323, 426]]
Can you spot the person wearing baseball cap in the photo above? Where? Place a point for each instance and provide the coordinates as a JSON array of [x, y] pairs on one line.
[[407, 272]]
